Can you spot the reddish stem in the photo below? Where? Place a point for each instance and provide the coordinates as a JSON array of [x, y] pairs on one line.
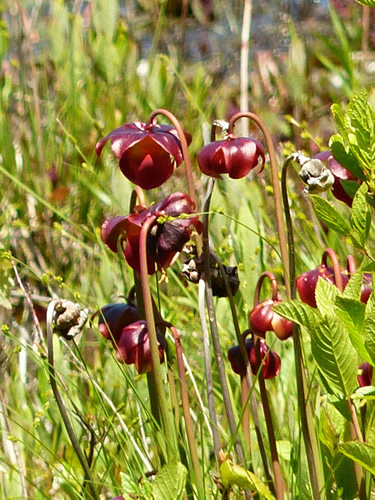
[[350, 265], [262, 277], [328, 252]]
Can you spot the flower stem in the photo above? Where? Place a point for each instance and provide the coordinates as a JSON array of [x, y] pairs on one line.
[[53, 381], [213, 325], [248, 378], [304, 405], [276, 189], [186, 409], [279, 482], [166, 417]]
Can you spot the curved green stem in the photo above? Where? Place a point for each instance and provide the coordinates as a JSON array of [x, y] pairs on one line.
[[166, 417], [276, 189], [304, 405], [53, 381]]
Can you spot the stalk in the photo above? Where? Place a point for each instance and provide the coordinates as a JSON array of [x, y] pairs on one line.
[[279, 482], [213, 325], [166, 417], [304, 405], [276, 190], [186, 409], [60, 404]]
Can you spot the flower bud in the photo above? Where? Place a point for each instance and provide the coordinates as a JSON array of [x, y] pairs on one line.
[[364, 376], [270, 367], [263, 319], [114, 317]]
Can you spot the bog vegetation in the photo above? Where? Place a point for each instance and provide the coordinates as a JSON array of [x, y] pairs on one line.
[[187, 249]]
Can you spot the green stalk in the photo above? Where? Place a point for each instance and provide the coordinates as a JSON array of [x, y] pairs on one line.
[[60, 404], [166, 416], [304, 405], [186, 409]]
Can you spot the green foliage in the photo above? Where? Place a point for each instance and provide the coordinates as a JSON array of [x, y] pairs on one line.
[[362, 453], [232, 474], [370, 3]]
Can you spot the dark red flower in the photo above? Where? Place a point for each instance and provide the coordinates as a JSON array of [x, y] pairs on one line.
[[366, 288], [235, 156], [133, 347], [340, 173], [263, 319], [364, 376], [148, 154], [271, 364], [306, 283], [165, 239], [114, 317]]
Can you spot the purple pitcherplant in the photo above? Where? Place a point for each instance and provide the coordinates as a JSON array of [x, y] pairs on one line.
[[148, 153], [165, 239]]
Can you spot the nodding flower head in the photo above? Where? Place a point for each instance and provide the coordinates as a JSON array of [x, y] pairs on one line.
[[147, 153], [166, 237], [364, 376], [263, 319], [306, 283], [114, 317], [234, 156], [133, 347], [271, 362]]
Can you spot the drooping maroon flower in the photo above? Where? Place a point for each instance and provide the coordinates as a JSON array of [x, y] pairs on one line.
[[133, 347], [364, 376], [165, 239], [235, 156], [340, 173], [306, 283], [114, 317], [147, 153], [270, 367], [263, 319]]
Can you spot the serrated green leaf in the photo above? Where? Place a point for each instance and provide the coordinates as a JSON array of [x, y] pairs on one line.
[[338, 116], [366, 392], [369, 328], [352, 314], [325, 295], [330, 216], [344, 156], [335, 356], [360, 218], [232, 474], [361, 453], [353, 287], [370, 3], [170, 482], [297, 311]]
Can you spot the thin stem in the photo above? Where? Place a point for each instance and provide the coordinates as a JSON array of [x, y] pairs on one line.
[[166, 417], [307, 419], [246, 411], [279, 482], [244, 62], [276, 190], [186, 409], [53, 381], [248, 378], [208, 370], [213, 325], [328, 252], [184, 148]]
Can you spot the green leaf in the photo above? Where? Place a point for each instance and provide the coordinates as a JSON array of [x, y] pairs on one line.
[[352, 314], [232, 474], [344, 156], [330, 216], [361, 453], [335, 356], [353, 287], [170, 482], [370, 3], [367, 392], [297, 311], [360, 218], [369, 328], [325, 295]]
